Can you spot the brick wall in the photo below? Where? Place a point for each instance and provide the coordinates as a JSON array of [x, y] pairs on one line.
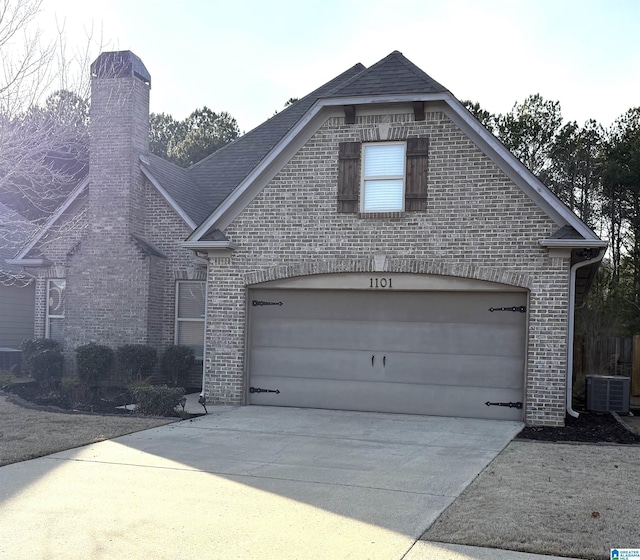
[[143, 311], [478, 224], [166, 230]]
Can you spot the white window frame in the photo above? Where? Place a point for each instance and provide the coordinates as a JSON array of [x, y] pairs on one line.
[[48, 314], [179, 320], [391, 177]]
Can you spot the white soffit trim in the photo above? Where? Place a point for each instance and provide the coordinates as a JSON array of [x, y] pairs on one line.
[[170, 200], [54, 218]]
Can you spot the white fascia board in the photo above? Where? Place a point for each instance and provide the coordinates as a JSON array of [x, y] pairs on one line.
[[211, 248], [553, 243], [377, 99], [516, 170], [54, 218], [206, 245], [170, 200], [28, 262]]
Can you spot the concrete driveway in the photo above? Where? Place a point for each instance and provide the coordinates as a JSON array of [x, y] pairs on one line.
[[251, 482]]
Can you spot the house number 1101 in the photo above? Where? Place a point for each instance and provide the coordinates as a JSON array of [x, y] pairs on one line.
[[380, 283]]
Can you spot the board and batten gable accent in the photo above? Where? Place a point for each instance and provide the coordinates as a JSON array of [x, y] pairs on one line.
[[477, 224]]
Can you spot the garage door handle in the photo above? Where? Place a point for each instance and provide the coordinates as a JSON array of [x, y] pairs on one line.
[[384, 361], [373, 360]]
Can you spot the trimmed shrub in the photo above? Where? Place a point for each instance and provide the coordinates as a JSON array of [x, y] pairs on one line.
[[6, 379], [93, 362], [157, 400], [75, 390], [177, 361], [136, 361], [43, 360]]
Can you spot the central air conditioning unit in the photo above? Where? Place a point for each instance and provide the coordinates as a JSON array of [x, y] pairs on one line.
[[608, 393]]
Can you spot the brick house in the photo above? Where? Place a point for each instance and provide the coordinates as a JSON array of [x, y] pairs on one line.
[[371, 247]]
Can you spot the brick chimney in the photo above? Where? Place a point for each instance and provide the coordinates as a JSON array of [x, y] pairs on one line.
[[110, 273], [119, 129]]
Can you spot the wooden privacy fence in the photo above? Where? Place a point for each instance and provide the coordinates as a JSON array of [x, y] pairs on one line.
[[607, 356]]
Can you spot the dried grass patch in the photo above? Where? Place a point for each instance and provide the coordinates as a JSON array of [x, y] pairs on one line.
[[544, 498], [26, 433]]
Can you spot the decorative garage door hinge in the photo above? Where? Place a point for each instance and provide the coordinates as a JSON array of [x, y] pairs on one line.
[[255, 303], [517, 405], [259, 390], [516, 309]]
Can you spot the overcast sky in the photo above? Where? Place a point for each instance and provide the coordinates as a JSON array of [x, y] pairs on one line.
[[248, 57]]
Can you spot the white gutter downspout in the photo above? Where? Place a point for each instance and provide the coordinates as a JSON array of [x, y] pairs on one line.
[[203, 398], [572, 309]]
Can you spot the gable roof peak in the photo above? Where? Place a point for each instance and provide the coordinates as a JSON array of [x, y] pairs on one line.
[[394, 74]]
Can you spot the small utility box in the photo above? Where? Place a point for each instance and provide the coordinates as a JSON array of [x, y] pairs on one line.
[[608, 393]]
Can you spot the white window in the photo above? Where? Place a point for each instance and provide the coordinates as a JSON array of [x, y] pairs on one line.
[[55, 309], [190, 315], [383, 169]]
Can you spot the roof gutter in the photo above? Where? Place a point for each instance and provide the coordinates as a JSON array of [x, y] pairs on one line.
[[209, 245], [29, 262], [572, 309], [573, 243], [204, 249]]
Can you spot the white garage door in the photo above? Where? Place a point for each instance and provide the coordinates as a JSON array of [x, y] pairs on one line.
[[436, 353]]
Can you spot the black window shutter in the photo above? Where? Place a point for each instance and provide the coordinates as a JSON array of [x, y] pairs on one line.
[[349, 176], [417, 171]]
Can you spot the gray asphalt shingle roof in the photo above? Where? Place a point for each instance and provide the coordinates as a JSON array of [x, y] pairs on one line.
[[394, 74], [177, 182], [14, 233], [217, 175], [201, 188]]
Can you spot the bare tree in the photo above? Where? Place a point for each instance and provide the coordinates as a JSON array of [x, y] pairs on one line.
[[44, 91]]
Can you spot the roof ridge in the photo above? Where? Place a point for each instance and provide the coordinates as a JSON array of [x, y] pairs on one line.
[[360, 74], [398, 57]]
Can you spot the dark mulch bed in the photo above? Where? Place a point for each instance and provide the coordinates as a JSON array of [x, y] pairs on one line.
[[31, 395], [107, 401], [590, 427]]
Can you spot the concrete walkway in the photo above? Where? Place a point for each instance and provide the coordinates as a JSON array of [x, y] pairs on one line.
[[251, 483]]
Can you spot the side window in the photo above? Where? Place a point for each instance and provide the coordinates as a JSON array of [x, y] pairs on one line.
[[55, 309], [190, 315]]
